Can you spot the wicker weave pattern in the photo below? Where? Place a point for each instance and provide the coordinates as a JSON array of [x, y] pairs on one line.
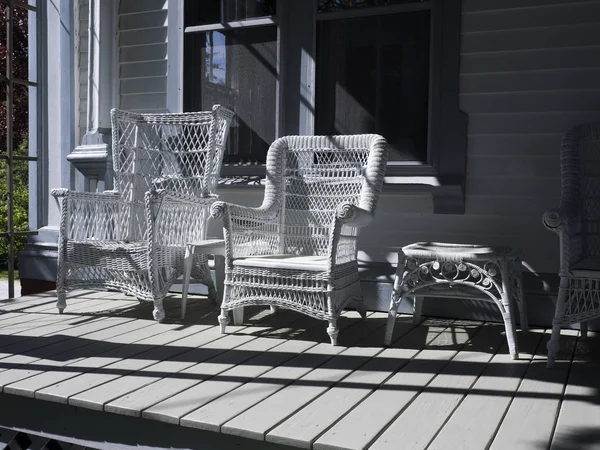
[[133, 239], [577, 223], [319, 191]]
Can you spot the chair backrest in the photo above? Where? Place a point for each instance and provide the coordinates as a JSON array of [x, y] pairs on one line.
[[181, 152], [318, 174], [580, 173]]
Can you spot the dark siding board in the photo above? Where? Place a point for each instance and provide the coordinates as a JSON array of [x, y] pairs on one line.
[[143, 85], [470, 6], [535, 80], [142, 53], [566, 13], [525, 102], [511, 145], [133, 6], [542, 59], [507, 123], [530, 39]]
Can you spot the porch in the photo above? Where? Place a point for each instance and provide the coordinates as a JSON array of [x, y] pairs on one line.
[[104, 375]]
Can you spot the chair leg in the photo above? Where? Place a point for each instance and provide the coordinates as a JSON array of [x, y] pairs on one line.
[[553, 345], [333, 331], [561, 304], [238, 316], [61, 304], [583, 327], [391, 321], [187, 272], [417, 308], [159, 311], [273, 309], [224, 320], [220, 276], [511, 335]]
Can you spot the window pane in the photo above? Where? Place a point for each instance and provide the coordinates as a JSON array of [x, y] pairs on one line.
[[202, 12], [373, 77], [236, 69], [341, 5]]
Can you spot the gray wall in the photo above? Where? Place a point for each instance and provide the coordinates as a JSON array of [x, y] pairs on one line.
[[82, 15]]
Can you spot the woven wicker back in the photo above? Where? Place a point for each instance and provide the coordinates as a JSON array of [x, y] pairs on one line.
[[580, 164], [179, 152], [320, 173]]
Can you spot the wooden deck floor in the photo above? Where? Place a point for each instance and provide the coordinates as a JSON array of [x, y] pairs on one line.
[[442, 384]]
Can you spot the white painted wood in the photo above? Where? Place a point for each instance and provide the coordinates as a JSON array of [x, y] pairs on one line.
[[143, 370], [579, 418], [302, 428], [256, 421], [170, 410], [143, 36], [442, 395], [148, 347], [81, 359], [528, 422], [488, 399], [362, 425], [233, 402], [26, 366]]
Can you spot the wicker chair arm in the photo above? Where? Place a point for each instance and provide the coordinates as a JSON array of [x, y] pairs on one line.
[[101, 196], [556, 219], [223, 210], [159, 195], [353, 216]]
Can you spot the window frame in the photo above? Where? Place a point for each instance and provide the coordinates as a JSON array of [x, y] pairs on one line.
[[445, 171]]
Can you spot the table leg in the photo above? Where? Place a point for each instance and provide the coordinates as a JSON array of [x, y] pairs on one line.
[[187, 272]]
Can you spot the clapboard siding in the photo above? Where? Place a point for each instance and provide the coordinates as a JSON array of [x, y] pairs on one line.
[[530, 71], [81, 78], [143, 55]]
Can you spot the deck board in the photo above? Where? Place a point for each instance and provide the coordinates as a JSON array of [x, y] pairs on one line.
[[442, 384], [488, 399], [531, 417]]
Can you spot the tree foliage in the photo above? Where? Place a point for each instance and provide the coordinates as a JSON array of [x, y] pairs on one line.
[[20, 120]]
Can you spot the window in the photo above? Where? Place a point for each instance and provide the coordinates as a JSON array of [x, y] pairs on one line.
[[331, 67]]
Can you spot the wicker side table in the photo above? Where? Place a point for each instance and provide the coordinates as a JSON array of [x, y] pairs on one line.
[[433, 269]]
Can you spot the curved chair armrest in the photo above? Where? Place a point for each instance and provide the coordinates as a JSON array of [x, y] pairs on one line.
[[222, 210], [353, 216], [102, 196], [556, 219], [162, 194]]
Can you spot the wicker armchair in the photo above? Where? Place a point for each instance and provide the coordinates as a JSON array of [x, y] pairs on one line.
[[298, 250], [132, 239], [577, 223]]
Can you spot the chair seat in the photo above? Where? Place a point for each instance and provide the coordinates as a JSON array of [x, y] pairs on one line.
[[284, 261], [586, 268], [455, 252]]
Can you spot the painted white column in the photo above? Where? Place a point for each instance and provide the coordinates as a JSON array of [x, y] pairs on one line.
[[93, 156], [51, 133]]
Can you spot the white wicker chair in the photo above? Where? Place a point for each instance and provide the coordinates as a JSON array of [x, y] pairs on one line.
[[298, 250], [133, 239], [577, 223]]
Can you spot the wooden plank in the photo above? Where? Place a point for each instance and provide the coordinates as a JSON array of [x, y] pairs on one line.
[[143, 370], [302, 429], [256, 421], [249, 345], [118, 363], [57, 355], [364, 423], [443, 394], [86, 358], [533, 412], [578, 423], [488, 399], [172, 409], [213, 415]]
